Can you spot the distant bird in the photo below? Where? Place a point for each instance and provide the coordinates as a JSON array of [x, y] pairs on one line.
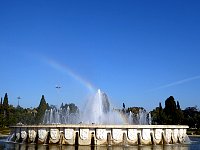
[[58, 87]]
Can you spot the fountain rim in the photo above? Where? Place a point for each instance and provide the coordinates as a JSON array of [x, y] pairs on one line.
[[100, 126]]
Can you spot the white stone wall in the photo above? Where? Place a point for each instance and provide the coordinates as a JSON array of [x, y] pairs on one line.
[[130, 134]]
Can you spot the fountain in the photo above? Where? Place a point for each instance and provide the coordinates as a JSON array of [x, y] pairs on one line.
[[100, 125], [97, 111], [60, 116]]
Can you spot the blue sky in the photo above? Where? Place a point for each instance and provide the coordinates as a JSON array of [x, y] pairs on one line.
[[138, 52]]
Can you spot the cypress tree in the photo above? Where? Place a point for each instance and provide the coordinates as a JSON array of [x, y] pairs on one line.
[[41, 110], [160, 115], [178, 106], [62, 106], [5, 101], [123, 106], [5, 110], [1, 112], [170, 110], [1, 106]]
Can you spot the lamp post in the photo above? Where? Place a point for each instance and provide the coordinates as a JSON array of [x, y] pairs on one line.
[[18, 99]]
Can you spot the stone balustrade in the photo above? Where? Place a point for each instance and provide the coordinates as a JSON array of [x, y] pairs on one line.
[[82, 134]]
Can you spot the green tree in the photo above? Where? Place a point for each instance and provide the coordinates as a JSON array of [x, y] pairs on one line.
[[5, 111], [41, 110], [73, 108], [123, 106], [1, 112], [155, 116], [192, 117], [13, 116], [5, 101], [178, 105], [62, 106], [1, 105], [161, 114], [179, 114], [158, 116], [170, 110]]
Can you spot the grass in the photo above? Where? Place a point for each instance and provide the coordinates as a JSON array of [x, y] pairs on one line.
[[193, 131], [4, 131]]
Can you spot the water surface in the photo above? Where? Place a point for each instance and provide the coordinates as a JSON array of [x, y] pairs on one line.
[[194, 145]]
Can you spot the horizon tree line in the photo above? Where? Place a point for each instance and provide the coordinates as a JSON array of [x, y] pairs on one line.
[[10, 115], [170, 114]]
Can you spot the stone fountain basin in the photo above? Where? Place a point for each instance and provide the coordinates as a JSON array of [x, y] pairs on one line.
[[97, 134]]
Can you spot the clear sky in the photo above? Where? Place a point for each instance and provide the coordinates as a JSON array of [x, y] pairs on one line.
[[138, 52]]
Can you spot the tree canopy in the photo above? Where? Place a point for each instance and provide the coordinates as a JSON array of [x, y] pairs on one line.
[[171, 114], [41, 110]]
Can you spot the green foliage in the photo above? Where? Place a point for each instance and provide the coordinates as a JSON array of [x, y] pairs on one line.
[[5, 101], [5, 111], [170, 111], [5, 131], [134, 110], [1, 113], [192, 117], [158, 116], [72, 107], [13, 115], [171, 114], [41, 110], [123, 106], [178, 106], [10, 115]]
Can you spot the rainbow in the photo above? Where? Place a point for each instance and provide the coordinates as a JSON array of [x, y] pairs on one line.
[[65, 69]]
